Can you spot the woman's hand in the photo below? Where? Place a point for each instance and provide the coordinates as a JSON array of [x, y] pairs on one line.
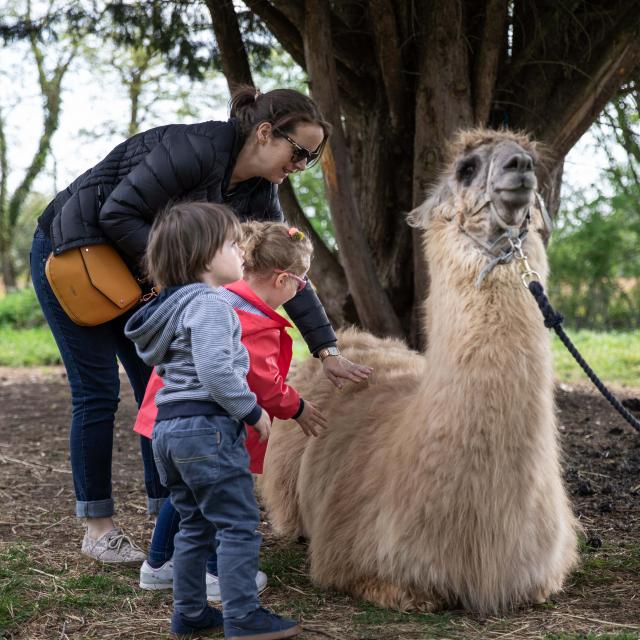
[[338, 369]]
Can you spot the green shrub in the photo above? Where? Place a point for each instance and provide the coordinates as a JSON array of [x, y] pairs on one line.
[[27, 347], [20, 310]]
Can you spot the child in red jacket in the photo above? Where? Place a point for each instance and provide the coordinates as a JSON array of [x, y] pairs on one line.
[[276, 261]]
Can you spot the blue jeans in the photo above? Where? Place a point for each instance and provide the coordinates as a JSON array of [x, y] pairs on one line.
[[161, 547], [204, 463], [90, 357]]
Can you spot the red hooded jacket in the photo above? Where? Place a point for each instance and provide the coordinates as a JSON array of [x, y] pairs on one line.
[[270, 350]]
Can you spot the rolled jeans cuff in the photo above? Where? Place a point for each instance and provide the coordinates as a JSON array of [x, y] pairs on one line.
[[95, 509], [155, 504]]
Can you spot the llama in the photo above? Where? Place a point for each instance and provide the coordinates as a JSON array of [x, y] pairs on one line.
[[438, 482]]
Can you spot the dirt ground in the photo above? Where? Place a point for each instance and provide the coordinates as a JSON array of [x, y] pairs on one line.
[[602, 469]]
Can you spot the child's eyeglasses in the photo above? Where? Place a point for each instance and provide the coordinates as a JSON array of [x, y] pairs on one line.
[[300, 152], [301, 282]]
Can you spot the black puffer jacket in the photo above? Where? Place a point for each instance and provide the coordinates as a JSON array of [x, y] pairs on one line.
[[117, 200]]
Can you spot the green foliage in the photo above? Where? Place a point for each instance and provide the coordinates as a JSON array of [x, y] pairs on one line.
[[594, 257], [595, 262], [614, 356], [21, 310], [28, 347], [23, 233]]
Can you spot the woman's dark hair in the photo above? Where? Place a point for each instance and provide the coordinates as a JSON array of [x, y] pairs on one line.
[[184, 239], [282, 108]]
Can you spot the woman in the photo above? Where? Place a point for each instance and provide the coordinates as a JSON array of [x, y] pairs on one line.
[[239, 163]]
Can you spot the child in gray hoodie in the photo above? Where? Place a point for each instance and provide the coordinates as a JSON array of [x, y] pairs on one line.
[[192, 336]]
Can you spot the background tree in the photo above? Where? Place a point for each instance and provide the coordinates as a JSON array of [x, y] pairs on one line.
[[400, 77], [595, 262], [52, 53]]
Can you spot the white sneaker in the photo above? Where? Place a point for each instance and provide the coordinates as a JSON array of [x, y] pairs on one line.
[[156, 579], [114, 547], [213, 585]]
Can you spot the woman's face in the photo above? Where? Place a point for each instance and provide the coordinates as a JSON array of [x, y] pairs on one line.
[[274, 153]]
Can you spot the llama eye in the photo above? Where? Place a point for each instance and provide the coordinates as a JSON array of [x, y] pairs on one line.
[[466, 171]]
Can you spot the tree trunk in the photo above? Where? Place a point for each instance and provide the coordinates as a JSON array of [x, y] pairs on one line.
[[373, 306], [326, 273], [398, 78]]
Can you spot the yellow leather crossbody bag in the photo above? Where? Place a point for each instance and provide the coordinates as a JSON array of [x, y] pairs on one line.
[[92, 284]]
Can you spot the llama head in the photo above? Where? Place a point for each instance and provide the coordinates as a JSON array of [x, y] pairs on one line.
[[487, 193]]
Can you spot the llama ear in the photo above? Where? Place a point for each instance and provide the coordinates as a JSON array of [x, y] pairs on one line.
[[419, 217]]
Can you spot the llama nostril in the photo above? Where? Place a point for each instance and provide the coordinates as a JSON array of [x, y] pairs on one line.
[[519, 162]]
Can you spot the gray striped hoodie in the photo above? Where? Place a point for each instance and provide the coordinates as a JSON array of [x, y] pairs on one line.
[[192, 336]]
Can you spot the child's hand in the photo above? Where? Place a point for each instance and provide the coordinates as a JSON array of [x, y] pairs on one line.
[[263, 426], [311, 420]]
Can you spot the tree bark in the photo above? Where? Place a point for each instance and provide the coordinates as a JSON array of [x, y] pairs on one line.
[[409, 73], [443, 105], [488, 56], [326, 273], [373, 306], [233, 56]]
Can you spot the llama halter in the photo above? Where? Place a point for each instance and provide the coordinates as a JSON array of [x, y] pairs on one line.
[[514, 234]]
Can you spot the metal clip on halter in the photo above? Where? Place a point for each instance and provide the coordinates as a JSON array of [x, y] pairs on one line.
[[527, 274]]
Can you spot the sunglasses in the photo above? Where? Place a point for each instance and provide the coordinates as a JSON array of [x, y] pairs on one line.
[[301, 282], [300, 152]]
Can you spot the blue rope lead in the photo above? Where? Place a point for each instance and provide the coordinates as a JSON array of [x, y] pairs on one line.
[[553, 320]]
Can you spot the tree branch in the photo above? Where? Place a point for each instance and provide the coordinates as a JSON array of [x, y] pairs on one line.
[[235, 64], [350, 47], [326, 272], [389, 59], [488, 57], [578, 106], [443, 105], [281, 27], [373, 305], [285, 31]]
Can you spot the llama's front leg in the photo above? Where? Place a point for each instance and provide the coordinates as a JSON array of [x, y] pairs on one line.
[[539, 595], [388, 595]]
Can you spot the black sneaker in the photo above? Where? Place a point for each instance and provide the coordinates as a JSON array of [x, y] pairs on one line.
[[208, 622], [260, 624]]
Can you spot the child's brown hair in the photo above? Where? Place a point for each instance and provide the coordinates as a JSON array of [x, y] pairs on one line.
[[274, 245], [184, 239]]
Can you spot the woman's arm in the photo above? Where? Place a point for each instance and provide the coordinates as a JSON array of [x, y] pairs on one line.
[[308, 314]]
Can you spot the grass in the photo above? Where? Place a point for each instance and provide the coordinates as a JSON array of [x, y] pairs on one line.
[[27, 590], [33, 588], [27, 347], [615, 357]]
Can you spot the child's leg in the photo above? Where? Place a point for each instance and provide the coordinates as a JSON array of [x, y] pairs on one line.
[[232, 508], [186, 455], [212, 561], [193, 544], [167, 524]]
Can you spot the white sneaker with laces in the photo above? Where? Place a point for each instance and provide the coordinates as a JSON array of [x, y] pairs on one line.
[[156, 579], [213, 585], [114, 547]]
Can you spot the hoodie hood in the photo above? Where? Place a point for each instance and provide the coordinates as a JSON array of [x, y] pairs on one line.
[[153, 327]]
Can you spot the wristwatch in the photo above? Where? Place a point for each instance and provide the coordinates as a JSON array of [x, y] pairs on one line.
[[328, 351]]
